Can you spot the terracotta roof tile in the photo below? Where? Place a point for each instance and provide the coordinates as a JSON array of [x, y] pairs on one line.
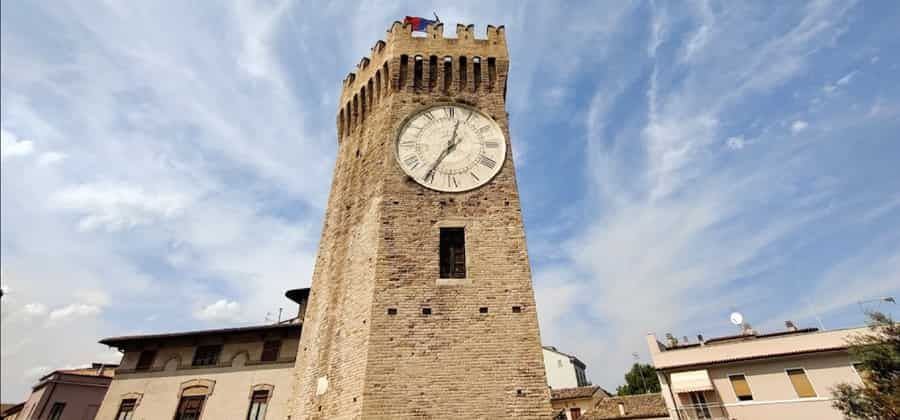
[[579, 392], [636, 407]]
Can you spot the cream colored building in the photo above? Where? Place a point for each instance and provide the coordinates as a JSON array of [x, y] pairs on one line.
[[564, 370], [234, 373], [782, 375]]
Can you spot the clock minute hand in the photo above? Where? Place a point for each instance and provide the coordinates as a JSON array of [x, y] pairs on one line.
[[451, 144]]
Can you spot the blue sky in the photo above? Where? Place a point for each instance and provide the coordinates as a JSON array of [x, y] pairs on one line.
[[166, 166]]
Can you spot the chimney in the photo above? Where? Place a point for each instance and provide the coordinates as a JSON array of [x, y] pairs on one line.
[[790, 325], [700, 339], [746, 329], [301, 296], [671, 340]]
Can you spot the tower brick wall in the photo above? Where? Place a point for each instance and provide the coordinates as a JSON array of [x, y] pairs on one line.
[[365, 333]]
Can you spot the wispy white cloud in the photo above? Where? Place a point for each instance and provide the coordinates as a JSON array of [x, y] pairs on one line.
[[50, 158], [11, 146], [117, 206], [799, 126], [736, 143], [71, 311], [220, 310], [35, 309]]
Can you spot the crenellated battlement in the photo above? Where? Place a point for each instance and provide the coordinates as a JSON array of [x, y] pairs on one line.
[[424, 64]]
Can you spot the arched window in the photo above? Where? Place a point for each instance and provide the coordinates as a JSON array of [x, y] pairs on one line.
[[417, 73], [492, 72], [378, 91], [362, 104], [192, 396], [355, 111], [349, 118], [404, 69], [448, 73], [432, 72], [462, 74], [476, 71], [387, 78], [341, 125], [371, 95]]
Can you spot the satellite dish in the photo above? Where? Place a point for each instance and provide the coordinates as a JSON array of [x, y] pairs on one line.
[[737, 318]]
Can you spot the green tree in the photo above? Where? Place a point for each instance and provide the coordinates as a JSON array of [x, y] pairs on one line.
[[641, 379], [878, 361]]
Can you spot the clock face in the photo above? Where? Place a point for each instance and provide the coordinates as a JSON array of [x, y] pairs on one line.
[[451, 148]]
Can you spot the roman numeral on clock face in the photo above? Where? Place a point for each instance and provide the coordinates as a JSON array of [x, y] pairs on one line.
[[488, 144], [411, 161], [429, 116], [450, 111], [488, 162], [451, 181]]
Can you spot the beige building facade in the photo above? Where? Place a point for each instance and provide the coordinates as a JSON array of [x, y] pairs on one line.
[[69, 394], [783, 375], [389, 332], [232, 373]]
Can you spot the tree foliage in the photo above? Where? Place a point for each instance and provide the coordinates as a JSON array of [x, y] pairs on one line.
[[641, 379], [878, 361]]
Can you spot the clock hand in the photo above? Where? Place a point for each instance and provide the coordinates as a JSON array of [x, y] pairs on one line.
[[451, 144]]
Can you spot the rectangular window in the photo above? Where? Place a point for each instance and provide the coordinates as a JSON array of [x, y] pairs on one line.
[[258, 403], [126, 409], [189, 408], [270, 350], [701, 410], [741, 388], [145, 361], [453, 253], [207, 355], [56, 411], [801, 383], [575, 413]]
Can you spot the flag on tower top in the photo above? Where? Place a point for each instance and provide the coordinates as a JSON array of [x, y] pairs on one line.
[[418, 23]]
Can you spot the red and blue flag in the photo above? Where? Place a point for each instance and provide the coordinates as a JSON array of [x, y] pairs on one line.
[[418, 23]]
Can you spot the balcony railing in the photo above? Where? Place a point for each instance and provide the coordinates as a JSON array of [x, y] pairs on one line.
[[713, 411]]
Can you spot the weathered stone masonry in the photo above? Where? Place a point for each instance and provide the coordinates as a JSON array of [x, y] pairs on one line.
[[368, 333]]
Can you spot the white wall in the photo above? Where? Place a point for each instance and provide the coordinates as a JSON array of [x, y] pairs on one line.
[[560, 370]]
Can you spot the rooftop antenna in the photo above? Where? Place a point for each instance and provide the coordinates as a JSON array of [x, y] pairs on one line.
[[637, 360], [279, 314], [816, 315], [888, 299]]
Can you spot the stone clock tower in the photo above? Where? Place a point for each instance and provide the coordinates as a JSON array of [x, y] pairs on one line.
[[421, 303]]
